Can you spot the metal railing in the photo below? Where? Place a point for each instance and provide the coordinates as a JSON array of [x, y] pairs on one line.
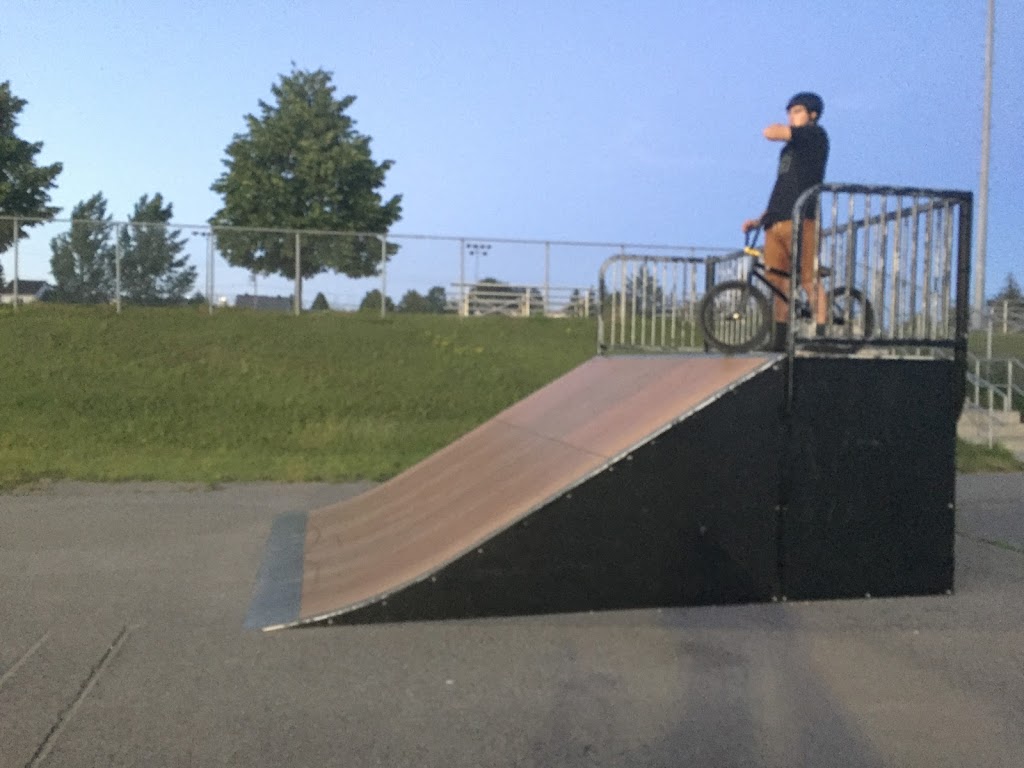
[[1006, 317], [1001, 378], [907, 250], [650, 303], [494, 298]]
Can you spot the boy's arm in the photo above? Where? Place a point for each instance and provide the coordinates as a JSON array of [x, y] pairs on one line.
[[778, 132]]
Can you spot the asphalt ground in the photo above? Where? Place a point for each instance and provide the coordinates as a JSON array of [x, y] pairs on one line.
[[121, 644]]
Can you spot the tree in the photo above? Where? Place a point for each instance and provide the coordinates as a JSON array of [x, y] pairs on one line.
[[414, 301], [153, 271], [24, 186], [1010, 292], [302, 165], [437, 300], [433, 303], [371, 301], [320, 302], [82, 260], [579, 305]]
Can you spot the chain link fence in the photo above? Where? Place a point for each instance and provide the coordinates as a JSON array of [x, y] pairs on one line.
[[137, 263]]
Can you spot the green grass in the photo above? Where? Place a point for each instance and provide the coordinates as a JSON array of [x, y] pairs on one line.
[[174, 394], [971, 457], [1003, 344]]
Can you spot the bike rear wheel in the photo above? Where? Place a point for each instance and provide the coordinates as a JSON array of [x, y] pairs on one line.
[[735, 317], [852, 314]]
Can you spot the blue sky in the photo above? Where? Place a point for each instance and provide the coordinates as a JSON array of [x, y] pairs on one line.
[[543, 119]]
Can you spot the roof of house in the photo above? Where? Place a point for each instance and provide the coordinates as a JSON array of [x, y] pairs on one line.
[[26, 287], [276, 303]]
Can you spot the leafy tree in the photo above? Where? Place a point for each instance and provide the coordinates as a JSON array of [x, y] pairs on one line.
[[434, 303], [579, 305], [24, 186], [437, 300], [371, 301], [82, 260], [1010, 292], [153, 271], [414, 301], [301, 164], [320, 302]]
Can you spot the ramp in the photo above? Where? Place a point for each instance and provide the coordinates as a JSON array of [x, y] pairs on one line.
[[548, 507]]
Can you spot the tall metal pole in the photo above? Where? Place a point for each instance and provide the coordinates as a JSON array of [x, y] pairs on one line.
[[298, 274], [209, 268], [462, 276], [118, 255], [383, 276], [547, 277], [986, 131], [15, 281]]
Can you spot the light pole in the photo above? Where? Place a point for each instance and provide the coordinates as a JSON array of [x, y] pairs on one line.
[[476, 250], [986, 131], [209, 266]]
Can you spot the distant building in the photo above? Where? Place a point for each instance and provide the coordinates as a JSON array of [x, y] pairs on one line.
[[265, 303], [28, 291]]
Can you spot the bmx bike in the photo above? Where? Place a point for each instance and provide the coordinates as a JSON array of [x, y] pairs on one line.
[[736, 315]]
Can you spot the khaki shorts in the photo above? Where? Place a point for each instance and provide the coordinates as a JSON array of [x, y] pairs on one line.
[[778, 242]]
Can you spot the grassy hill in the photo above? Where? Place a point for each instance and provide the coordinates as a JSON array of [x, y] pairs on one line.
[[174, 394], [178, 395]]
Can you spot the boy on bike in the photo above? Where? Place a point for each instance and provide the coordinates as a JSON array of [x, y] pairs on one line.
[[801, 165]]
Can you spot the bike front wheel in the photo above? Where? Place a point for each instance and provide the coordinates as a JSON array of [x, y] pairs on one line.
[[735, 317]]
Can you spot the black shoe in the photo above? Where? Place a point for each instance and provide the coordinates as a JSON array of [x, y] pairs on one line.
[[780, 338]]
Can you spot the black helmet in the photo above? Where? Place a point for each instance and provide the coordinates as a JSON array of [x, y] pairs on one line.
[[811, 101]]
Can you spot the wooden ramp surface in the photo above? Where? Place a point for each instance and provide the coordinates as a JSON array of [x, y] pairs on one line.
[[361, 550]]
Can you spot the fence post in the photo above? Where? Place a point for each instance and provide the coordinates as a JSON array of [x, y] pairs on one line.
[[118, 254], [988, 339], [15, 281], [463, 307], [1008, 402], [209, 268], [383, 276], [298, 273], [547, 275], [977, 381]]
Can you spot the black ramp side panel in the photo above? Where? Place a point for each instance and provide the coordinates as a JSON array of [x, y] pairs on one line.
[[687, 519], [278, 592], [872, 471]]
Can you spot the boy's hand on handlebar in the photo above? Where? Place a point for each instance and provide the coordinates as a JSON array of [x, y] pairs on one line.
[[751, 224]]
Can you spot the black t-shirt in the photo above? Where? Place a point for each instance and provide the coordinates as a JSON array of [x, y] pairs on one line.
[[801, 165]]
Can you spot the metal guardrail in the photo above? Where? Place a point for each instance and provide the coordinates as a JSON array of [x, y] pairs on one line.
[[491, 298], [1001, 378], [906, 249], [650, 303]]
